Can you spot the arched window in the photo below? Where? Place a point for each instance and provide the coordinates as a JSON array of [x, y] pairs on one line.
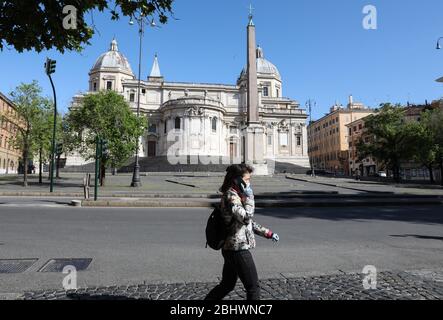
[[177, 123], [214, 124]]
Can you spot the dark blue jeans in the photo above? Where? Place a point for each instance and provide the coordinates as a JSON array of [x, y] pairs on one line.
[[238, 264]]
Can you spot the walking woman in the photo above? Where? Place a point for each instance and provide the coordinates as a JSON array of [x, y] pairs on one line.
[[237, 207]]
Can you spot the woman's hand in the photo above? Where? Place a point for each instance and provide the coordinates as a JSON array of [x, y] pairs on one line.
[[275, 237], [249, 192]]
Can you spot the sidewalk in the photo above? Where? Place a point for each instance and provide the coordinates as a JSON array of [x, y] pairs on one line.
[[391, 285], [201, 190]]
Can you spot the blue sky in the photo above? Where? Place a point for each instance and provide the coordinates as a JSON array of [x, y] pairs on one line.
[[320, 48]]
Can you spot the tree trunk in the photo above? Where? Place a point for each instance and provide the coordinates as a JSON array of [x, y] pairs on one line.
[[396, 174], [102, 174], [50, 168], [441, 172], [25, 165], [40, 167], [57, 175], [431, 174]]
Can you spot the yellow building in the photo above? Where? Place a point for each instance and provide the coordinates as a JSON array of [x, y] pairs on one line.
[[328, 137], [367, 167], [9, 157]]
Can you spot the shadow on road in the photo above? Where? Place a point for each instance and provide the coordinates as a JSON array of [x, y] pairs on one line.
[[417, 236], [427, 215], [55, 202]]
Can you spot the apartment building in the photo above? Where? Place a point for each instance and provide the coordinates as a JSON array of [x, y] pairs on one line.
[[328, 137]]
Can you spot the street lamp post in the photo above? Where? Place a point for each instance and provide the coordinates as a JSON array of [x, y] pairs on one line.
[[141, 20], [309, 105]]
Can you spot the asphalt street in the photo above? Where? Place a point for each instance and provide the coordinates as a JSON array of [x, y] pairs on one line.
[[132, 246]]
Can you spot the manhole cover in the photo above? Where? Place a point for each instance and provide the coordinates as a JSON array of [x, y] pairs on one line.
[[57, 265], [16, 265]]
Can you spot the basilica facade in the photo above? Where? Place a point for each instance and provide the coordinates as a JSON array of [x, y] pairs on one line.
[[200, 119]]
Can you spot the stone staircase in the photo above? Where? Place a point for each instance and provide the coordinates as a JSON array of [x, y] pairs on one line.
[[161, 164]]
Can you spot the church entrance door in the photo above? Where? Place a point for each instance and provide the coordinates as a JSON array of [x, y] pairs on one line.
[[233, 150], [152, 145]]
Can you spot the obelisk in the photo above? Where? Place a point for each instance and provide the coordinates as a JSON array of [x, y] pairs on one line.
[[254, 132]]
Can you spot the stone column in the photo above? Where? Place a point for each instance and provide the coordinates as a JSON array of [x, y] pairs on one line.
[[254, 132], [304, 140]]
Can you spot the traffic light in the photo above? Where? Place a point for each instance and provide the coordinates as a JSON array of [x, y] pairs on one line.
[[105, 149], [59, 149], [50, 66]]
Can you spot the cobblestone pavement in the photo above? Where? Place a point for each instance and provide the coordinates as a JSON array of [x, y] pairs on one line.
[[391, 285]]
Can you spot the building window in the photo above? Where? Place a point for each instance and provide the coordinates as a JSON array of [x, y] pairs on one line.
[[265, 91], [152, 128], [166, 126], [284, 139], [95, 86], [278, 93], [109, 85], [270, 139], [214, 124], [298, 141], [132, 97], [360, 126], [177, 123]]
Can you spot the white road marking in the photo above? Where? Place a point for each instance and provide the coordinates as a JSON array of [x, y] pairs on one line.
[[33, 205]]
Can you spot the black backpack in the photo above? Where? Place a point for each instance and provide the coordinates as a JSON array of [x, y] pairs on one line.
[[216, 230]]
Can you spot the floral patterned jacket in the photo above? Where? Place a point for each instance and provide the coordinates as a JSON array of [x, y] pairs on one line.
[[237, 212]]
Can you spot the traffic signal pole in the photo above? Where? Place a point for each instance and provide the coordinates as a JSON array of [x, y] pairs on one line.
[[50, 69], [53, 136]]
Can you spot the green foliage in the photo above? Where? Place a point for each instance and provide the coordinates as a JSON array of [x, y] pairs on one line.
[[105, 114], [38, 25], [43, 136], [432, 120], [390, 138], [393, 140], [32, 121]]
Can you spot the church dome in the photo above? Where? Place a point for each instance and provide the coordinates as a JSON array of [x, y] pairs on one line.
[[113, 59], [264, 67]]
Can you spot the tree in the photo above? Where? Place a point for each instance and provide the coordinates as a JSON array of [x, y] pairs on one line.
[[108, 116], [43, 138], [390, 138], [30, 108], [422, 144], [432, 120], [39, 25]]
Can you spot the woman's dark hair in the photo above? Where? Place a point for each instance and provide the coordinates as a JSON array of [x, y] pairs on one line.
[[233, 172]]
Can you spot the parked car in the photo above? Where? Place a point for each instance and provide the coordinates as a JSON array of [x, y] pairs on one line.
[[382, 174]]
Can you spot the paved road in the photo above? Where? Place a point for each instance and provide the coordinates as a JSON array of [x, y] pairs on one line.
[[130, 246]]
